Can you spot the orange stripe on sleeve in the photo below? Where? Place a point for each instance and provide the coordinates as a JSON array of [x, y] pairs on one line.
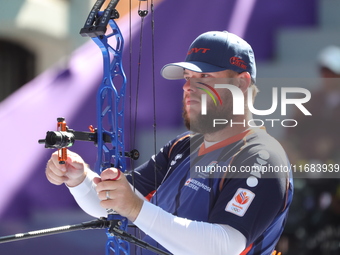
[[247, 250]]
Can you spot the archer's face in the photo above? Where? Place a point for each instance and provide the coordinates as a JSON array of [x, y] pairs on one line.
[[218, 101]]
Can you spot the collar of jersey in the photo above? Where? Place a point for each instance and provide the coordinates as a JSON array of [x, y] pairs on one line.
[[203, 150]]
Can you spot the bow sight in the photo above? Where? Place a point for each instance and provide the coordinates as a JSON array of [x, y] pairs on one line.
[[66, 137]]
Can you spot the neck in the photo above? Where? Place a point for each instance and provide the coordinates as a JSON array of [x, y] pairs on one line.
[[231, 129]]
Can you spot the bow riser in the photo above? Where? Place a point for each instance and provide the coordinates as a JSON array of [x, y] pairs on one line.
[[110, 120], [110, 103]]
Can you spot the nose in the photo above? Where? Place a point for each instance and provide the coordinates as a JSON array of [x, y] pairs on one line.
[[189, 85], [186, 86]]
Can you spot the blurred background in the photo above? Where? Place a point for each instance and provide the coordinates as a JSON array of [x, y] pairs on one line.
[[47, 70]]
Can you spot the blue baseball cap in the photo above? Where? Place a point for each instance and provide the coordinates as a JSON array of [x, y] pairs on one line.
[[213, 52]]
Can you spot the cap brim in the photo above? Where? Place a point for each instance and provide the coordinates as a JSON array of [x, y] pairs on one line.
[[174, 71]]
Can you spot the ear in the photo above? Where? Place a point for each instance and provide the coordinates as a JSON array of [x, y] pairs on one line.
[[244, 81]]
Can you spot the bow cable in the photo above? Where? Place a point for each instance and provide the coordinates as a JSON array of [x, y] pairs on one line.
[[142, 12], [154, 93]]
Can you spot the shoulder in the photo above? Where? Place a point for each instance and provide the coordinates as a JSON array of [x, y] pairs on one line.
[[261, 156], [263, 146], [183, 142]]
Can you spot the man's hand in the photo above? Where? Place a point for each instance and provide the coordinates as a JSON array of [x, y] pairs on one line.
[[115, 193], [72, 173]]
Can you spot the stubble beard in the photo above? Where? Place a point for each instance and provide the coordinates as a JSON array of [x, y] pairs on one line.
[[203, 124]]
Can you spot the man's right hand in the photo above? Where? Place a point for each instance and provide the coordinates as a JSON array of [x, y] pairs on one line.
[[72, 173]]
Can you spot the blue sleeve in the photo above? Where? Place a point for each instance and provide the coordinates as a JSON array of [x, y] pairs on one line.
[[250, 202]]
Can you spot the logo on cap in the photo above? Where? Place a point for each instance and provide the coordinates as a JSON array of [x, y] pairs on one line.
[[238, 62], [196, 50]]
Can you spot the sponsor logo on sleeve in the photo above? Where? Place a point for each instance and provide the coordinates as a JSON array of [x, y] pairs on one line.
[[240, 202]]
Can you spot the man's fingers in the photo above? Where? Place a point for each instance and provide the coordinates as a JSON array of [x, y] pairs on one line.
[[107, 180], [55, 179], [106, 185], [55, 172], [97, 180], [106, 194], [72, 173], [74, 160], [54, 158], [112, 174], [55, 167]]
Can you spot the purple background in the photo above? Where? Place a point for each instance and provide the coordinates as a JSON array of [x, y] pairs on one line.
[[26, 197]]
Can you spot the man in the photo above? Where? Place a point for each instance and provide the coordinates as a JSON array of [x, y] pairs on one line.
[[213, 193]]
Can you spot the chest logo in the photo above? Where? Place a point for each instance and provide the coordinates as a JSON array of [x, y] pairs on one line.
[[196, 185]]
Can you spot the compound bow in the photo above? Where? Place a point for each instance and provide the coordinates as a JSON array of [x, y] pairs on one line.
[[108, 136]]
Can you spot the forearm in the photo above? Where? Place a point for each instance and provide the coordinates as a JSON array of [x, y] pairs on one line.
[[183, 236], [86, 196]]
